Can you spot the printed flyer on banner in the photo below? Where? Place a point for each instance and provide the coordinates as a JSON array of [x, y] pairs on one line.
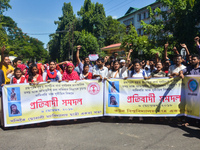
[[139, 97], [191, 96], [28, 104]]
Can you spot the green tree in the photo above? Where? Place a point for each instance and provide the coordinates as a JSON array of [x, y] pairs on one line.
[[18, 43], [87, 41], [4, 5], [114, 31], [99, 26], [133, 41], [66, 26], [91, 23], [182, 20], [87, 13], [54, 46], [179, 25]]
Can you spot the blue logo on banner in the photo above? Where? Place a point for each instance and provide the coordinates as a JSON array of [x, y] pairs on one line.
[[192, 85]]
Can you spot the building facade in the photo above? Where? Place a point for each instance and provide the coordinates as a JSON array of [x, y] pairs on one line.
[[135, 15]]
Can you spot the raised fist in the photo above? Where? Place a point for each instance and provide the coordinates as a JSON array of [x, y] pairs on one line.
[[183, 45], [196, 38], [79, 47], [166, 45]]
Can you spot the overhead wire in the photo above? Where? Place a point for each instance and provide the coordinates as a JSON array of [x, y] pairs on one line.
[[108, 2], [117, 5], [39, 33], [120, 7], [111, 10]]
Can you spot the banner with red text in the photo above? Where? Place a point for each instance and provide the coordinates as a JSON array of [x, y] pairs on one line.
[[138, 97], [28, 104]]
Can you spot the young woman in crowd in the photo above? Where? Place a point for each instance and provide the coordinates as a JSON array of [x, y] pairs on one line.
[[23, 69], [86, 74], [116, 71], [138, 71], [111, 65], [18, 77], [70, 74], [33, 76], [52, 74]]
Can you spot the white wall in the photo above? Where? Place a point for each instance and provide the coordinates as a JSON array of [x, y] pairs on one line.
[[145, 18]]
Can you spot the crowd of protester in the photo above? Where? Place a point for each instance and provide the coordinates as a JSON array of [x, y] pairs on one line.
[[16, 72]]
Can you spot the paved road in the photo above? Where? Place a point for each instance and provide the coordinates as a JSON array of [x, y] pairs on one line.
[[101, 135]]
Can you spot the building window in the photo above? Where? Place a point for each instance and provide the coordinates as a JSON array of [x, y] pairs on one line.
[[142, 32], [139, 31], [139, 17], [144, 15], [129, 21], [148, 14]]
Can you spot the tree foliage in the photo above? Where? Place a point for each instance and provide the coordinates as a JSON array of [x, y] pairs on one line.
[[88, 42], [178, 25], [91, 23], [18, 43], [133, 41]]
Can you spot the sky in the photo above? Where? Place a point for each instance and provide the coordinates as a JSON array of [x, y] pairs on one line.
[[36, 17]]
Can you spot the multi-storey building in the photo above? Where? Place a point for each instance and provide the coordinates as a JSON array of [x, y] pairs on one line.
[[135, 15]]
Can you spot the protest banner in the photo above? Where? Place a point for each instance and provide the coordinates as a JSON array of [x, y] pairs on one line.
[[27, 104], [191, 96], [138, 97]]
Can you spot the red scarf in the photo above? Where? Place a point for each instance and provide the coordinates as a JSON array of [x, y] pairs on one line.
[[89, 76], [70, 76], [50, 75], [22, 80], [22, 67]]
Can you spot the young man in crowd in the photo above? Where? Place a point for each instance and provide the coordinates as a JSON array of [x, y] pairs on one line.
[[174, 70], [16, 62], [52, 75], [5, 65], [99, 70], [151, 67], [194, 68], [86, 61], [157, 73], [122, 63]]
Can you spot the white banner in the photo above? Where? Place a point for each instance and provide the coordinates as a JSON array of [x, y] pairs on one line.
[[25, 104]]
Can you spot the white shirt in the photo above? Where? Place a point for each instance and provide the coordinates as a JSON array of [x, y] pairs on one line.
[[175, 69], [58, 74], [103, 72], [10, 75], [82, 76], [141, 74], [121, 74]]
